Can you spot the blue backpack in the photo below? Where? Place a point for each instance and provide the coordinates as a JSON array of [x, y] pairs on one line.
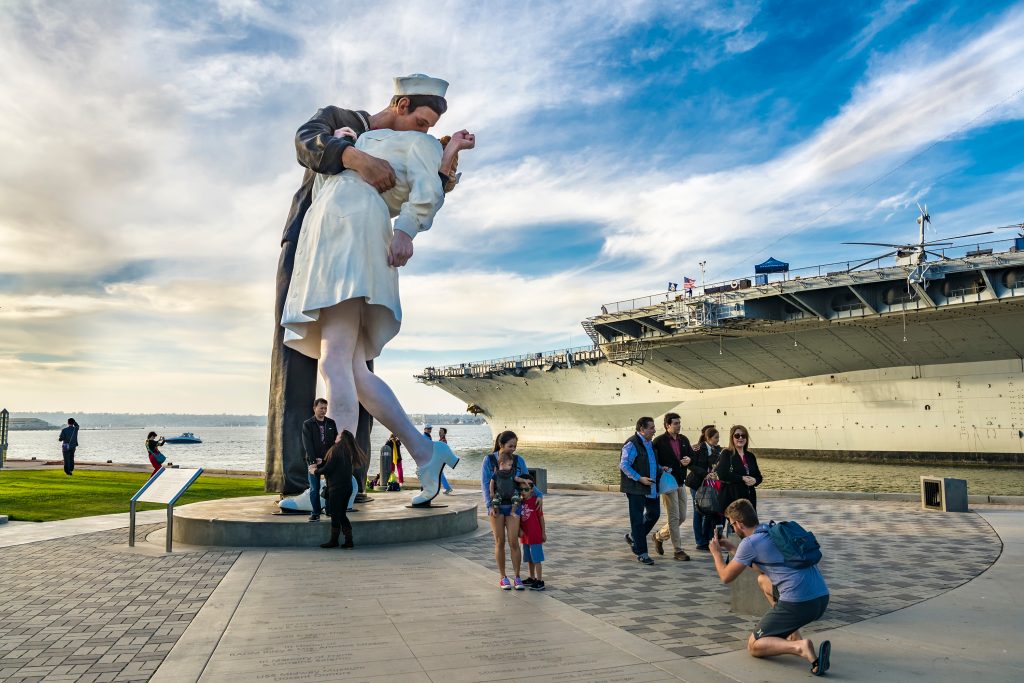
[[798, 546]]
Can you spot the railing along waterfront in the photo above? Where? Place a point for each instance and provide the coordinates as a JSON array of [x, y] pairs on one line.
[[972, 250], [559, 357]]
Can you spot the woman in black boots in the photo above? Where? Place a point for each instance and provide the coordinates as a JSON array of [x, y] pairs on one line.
[[337, 467]]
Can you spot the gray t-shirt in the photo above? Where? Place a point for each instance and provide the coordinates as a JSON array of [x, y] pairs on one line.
[[794, 585]]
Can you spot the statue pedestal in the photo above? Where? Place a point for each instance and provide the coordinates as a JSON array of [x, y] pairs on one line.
[[252, 522]]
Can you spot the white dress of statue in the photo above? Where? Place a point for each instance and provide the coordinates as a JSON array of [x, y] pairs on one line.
[[343, 301]]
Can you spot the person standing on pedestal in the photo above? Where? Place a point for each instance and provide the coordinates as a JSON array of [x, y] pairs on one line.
[[318, 434], [293, 375], [343, 304]]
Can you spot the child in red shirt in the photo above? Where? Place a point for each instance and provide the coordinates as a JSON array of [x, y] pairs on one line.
[[532, 534]]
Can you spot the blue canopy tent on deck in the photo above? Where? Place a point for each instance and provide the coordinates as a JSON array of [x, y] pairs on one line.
[[772, 265]]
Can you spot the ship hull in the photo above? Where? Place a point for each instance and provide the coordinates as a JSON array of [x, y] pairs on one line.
[[943, 413]]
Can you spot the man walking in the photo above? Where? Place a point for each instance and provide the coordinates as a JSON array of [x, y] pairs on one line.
[[673, 450], [292, 374], [318, 434], [797, 596], [638, 479], [68, 438]]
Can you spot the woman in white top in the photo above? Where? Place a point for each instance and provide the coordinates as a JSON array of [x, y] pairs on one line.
[[343, 302]]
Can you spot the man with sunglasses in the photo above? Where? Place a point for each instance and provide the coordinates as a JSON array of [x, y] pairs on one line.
[[797, 596]]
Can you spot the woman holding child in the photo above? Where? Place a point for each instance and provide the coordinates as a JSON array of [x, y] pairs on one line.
[[503, 476]]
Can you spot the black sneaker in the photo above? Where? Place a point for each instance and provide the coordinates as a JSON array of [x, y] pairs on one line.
[[629, 542], [537, 586], [314, 518], [645, 558], [529, 581]]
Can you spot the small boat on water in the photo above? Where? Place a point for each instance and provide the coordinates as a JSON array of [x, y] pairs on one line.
[[187, 437]]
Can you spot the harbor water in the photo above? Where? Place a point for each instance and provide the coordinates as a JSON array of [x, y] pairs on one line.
[[243, 448]]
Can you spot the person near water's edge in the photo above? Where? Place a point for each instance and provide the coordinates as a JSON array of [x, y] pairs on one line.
[[673, 450], [797, 596], [318, 434], [68, 443]]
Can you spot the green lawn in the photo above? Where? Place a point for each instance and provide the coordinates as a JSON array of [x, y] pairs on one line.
[[46, 495]]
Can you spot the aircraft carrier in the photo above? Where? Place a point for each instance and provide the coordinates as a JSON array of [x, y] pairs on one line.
[[917, 360]]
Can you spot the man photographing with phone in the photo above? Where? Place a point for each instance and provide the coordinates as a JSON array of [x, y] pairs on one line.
[[789, 578]]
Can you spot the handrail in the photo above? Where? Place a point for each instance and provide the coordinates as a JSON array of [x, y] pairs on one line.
[[536, 358], [807, 271]]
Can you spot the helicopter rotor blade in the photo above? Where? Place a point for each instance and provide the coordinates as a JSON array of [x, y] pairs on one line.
[[864, 263], [970, 234], [883, 244]]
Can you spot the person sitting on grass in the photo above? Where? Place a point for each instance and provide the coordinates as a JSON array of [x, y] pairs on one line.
[[532, 533], [797, 596]]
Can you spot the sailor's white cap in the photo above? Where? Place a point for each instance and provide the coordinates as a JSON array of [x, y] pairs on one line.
[[420, 84]]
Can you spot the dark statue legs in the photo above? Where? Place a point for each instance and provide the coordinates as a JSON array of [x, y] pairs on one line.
[[292, 390]]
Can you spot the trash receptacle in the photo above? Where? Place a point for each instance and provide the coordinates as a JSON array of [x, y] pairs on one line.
[[385, 469], [540, 475], [944, 493]]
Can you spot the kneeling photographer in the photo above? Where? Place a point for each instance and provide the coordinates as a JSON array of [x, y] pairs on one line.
[[785, 558]]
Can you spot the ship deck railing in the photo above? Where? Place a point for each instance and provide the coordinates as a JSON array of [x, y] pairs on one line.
[[869, 271], [515, 364]]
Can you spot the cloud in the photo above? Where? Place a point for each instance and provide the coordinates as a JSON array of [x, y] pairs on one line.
[[147, 167]]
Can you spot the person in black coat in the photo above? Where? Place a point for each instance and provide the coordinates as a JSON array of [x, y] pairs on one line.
[[337, 466], [705, 460], [69, 442], [737, 468], [318, 434]]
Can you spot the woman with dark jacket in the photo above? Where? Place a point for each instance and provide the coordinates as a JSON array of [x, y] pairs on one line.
[[702, 464], [339, 462], [737, 468]]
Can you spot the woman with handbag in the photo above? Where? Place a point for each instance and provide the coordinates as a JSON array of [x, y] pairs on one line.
[[339, 462], [737, 468], [153, 444], [701, 472]]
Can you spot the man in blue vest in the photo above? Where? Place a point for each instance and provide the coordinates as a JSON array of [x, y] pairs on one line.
[[638, 479]]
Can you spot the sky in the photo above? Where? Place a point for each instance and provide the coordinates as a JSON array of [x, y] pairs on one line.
[[148, 164]]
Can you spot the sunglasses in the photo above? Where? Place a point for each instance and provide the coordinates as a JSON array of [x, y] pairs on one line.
[[525, 488], [739, 436]]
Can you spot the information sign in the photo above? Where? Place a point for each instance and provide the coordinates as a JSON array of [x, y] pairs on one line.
[[165, 487]]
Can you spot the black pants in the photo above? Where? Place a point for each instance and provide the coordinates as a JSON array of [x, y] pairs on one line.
[[337, 507], [69, 460], [292, 391]]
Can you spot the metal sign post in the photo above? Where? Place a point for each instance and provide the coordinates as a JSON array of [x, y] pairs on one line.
[[166, 486], [4, 419]]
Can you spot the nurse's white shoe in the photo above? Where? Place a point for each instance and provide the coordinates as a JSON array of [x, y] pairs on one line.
[[430, 474]]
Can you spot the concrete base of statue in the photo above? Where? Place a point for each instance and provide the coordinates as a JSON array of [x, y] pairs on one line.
[[256, 521]]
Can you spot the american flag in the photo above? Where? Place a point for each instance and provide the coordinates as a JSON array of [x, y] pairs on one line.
[[689, 283]]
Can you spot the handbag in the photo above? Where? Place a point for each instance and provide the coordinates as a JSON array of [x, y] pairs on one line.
[[707, 499], [667, 484]]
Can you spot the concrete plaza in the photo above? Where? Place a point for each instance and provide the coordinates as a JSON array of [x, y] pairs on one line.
[[915, 594]]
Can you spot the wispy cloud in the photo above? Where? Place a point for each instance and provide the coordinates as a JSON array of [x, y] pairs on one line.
[[148, 165]]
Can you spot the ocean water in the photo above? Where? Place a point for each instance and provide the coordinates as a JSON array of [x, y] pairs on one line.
[[243, 448]]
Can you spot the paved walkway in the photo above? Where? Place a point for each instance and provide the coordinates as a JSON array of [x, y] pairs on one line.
[[906, 605]]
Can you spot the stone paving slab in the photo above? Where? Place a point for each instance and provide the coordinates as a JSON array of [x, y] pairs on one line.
[[78, 609], [879, 557]]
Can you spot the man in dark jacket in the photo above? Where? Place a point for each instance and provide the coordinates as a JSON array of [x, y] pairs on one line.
[[293, 375], [673, 450], [68, 443], [638, 479], [318, 434]]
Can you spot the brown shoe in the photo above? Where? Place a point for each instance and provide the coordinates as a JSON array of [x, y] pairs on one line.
[[658, 545], [682, 556]]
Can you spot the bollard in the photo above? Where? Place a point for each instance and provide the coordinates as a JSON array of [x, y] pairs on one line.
[[385, 470]]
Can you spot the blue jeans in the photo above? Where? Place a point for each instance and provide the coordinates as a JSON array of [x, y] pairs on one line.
[[643, 515], [314, 492], [703, 525], [445, 486]]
